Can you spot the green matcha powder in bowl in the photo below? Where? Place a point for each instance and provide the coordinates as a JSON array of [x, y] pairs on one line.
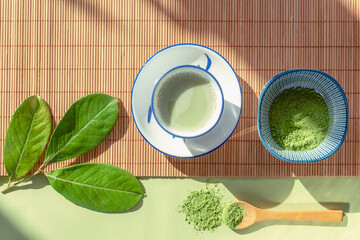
[[302, 115], [299, 119]]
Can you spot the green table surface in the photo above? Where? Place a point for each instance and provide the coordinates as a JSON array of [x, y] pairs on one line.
[[36, 211]]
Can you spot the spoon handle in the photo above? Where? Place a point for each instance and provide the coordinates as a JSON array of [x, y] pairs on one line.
[[315, 215]]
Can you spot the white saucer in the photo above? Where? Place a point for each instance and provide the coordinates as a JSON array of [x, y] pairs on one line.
[[149, 74]]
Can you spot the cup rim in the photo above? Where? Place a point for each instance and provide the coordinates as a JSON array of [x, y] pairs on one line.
[[207, 129], [263, 92]]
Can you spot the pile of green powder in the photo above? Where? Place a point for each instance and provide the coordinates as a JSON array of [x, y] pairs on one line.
[[298, 119], [203, 209], [233, 214], [206, 211]]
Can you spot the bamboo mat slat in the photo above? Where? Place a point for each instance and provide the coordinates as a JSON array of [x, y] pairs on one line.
[[65, 49]]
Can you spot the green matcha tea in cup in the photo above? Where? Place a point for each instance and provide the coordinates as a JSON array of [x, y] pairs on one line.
[[187, 101]]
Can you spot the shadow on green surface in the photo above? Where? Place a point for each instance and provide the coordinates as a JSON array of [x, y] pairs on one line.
[[3, 181], [261, 192], [140, 203], [9, 231], [34, 183], [134, 209], [336, 190], [345, 206]]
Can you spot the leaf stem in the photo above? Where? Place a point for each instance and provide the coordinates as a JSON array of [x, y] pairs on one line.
[[25, 179], [7, 187]]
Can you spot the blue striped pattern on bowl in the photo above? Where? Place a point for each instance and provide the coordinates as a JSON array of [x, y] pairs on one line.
[[336, 103]]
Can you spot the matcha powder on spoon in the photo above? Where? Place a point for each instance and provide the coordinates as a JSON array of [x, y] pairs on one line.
[[233, 215], [299, 119]]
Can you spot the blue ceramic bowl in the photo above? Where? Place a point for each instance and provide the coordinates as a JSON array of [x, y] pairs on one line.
[[336, 103]]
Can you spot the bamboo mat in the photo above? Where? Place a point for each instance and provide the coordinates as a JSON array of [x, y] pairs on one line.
[[65, 49]]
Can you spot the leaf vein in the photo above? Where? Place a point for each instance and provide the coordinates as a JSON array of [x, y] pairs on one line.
[[57, 152], [23, 147], [88, 185]]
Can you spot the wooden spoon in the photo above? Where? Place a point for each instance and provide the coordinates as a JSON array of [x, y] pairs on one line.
[[254, 215]]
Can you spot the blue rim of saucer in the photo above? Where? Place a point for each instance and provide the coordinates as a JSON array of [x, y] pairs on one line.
[[186, 44], [222, 102], [260, 101]]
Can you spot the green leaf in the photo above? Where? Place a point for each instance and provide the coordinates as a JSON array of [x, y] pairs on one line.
[[97, 186], [84, 126], [26, 136]]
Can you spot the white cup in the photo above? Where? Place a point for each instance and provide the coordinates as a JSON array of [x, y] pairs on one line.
[[173, 76]]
